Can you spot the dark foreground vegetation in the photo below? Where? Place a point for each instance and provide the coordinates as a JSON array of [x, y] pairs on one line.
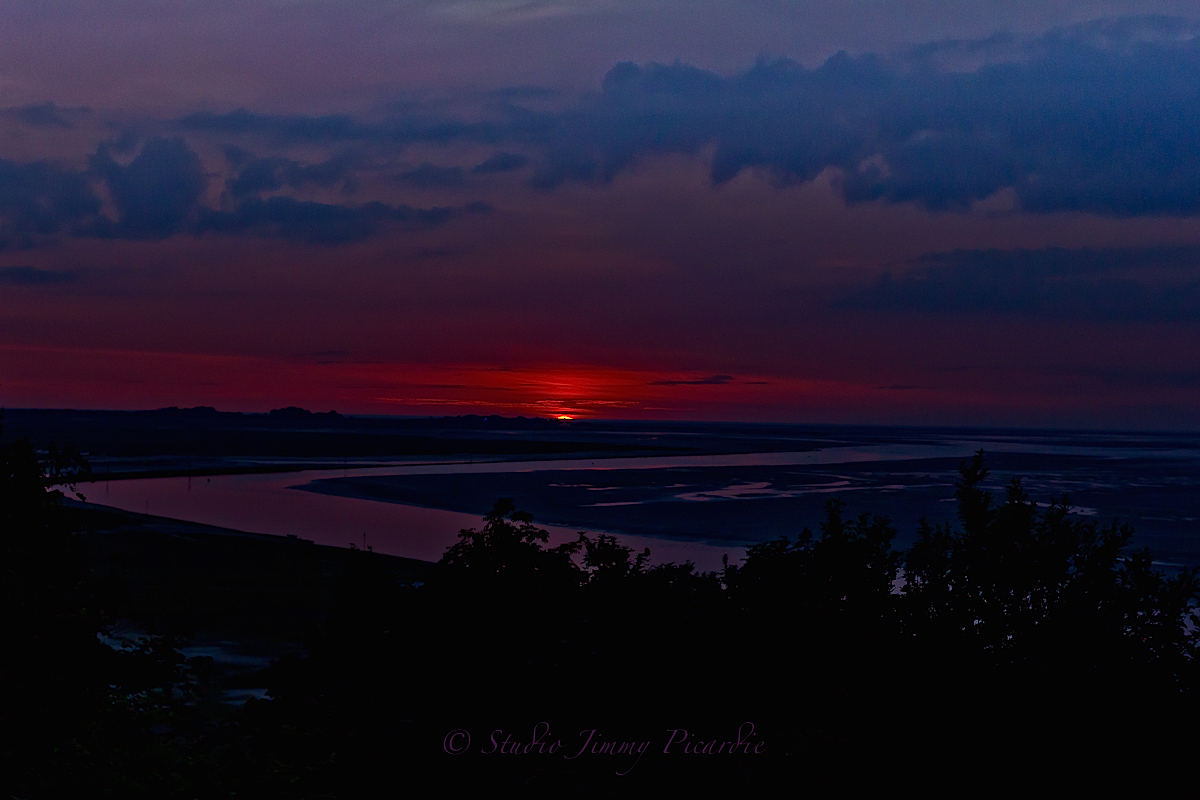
[[1021, 644]]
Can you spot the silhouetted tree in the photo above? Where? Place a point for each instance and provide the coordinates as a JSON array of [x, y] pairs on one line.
[[1046, 590], [507, 555]]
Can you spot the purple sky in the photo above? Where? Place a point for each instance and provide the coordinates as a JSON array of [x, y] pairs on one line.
[[977, 213]]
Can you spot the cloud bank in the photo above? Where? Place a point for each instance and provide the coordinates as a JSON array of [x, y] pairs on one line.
[[1102, 118]]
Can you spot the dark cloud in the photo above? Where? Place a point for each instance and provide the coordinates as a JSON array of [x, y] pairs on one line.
[[236, 156], [125, 143], [39, 199], [560, 166], [43, 115], [324, 223], [259, 175], [1148, 379], [157, 193], [500, 162], [33, 276], [332, 127], [271, 174], [286, 218], [512, 93], [1099, 118], [1116, 284], [715, 380], [323, 173], [431, 176]]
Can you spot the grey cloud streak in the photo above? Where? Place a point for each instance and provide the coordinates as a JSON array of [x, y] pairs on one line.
[[324, 223], [432, 176], [406, 127], [715, 380], [258, 175], [1159, 283], [33, 276], [42, 115], [500, 162]]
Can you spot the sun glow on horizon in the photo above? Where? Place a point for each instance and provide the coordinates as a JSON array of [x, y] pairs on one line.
[[98, 378]]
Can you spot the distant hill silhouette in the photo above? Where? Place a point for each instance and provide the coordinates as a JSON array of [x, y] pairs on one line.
[[293, 433]]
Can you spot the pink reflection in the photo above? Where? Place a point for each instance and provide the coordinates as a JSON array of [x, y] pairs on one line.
[[266, 504]]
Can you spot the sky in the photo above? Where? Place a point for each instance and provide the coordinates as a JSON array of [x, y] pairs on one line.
[[933, 213]]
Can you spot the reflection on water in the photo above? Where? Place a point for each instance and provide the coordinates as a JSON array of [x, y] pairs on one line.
[[1137, 478], [267, 504]]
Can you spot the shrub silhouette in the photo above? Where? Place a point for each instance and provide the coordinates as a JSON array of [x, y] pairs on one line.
[[507, 555], [1047, 591]]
